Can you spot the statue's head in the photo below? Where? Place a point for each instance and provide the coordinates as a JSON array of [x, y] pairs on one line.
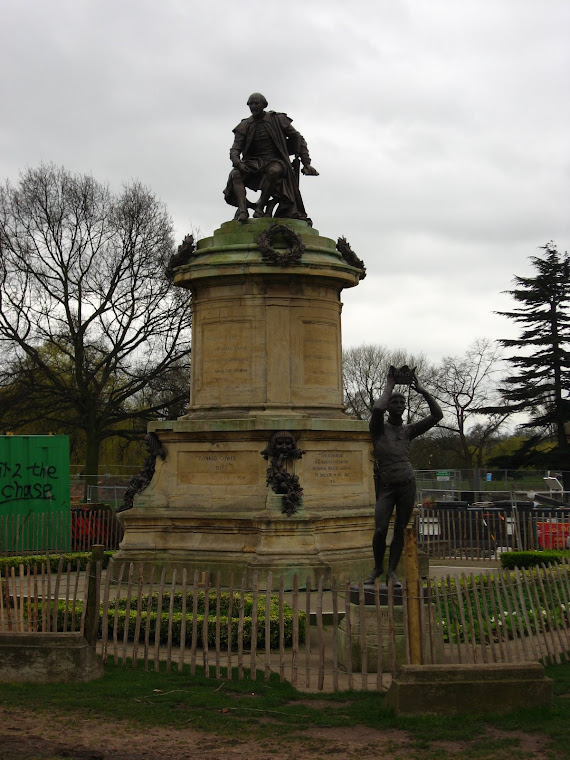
[[397, 404], [256, 102], [283, 442], [282, 445]]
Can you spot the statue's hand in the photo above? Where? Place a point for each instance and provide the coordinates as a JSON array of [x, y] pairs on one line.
[[240, 166], [415, 384], [310, 171]]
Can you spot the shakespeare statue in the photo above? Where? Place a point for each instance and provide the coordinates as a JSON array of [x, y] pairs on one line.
[[396, 483], [260, 158]]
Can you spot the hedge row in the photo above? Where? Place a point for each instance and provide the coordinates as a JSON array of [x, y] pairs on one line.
[[163, 626], [510, 560], [201, 599], [81, 558]]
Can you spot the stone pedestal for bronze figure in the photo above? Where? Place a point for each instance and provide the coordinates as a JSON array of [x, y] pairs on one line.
[[393, 638], [385, 637], [266, 358]]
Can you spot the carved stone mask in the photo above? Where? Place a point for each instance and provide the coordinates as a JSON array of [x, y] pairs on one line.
[[284, 442]]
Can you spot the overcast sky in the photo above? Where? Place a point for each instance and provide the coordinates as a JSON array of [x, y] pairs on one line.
[[440, 128]]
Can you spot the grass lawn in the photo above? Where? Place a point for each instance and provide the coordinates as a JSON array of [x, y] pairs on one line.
[[247, 709]]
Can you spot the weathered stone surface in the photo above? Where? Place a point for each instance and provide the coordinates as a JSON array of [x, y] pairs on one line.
[[371, 634], [337, 545], [47, 657], [266, 357], [222, 469], [208, 506], [265, 337], [374, 654], [452, 689]]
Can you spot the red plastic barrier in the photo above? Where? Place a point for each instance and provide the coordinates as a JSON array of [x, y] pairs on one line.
[[553, 535]]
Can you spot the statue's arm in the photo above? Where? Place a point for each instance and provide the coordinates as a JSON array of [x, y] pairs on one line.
[[238, 145], [382, 403], [434, 407], [376, 424], [303, 149], [301, 143], [307, 169], [378, 410], [435, 415]]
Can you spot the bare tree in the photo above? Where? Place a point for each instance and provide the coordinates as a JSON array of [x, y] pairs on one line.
[[89, 322], [466, 386], [364, 376]]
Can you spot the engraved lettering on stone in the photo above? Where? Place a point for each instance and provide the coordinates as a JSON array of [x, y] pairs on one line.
[[217, 468], [320, 355], [228, 358], [333, 468]]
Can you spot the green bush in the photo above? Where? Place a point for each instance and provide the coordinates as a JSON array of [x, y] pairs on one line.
[[510, 560], [500, 620], [36, 559], [119, 606]]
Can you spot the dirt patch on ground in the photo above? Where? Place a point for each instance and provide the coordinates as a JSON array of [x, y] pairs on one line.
[[33, 736]]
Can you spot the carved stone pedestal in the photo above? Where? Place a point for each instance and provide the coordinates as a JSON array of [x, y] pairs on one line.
[[266, 358], [374, 653], [387, 648]]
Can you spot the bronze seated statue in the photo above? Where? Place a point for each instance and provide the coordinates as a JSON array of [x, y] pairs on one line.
[[260, 156]]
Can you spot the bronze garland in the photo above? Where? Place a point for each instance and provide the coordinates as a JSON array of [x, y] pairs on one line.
[[282, 446], [291, 256], [182, 256], [343, 247], [138, 483]]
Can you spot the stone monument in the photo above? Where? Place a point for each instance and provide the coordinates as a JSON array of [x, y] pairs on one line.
[[265, 472]]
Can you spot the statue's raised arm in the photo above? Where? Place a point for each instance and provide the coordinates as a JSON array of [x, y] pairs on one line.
[[260, 156]]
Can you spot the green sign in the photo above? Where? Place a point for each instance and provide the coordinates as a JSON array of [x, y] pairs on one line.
[[34, 488], [443, 474]]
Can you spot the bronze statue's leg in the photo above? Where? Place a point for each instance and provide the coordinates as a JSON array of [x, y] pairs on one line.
[[239, 190], [382, 514], [405, 500], [270, 177]]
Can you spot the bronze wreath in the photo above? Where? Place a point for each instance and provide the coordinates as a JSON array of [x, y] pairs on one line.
[[287, 485], [282, 447], [343, 247], [182, 256], [291, 256]]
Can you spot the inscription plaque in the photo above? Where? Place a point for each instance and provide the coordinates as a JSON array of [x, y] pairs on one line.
[[227, 353], [320, 355], [332, 468], [218, 468]]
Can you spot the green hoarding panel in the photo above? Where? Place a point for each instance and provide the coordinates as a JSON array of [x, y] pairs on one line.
[[34, 492]]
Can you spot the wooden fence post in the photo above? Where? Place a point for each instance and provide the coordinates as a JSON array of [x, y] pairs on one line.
[[413, 596], [92, 601]]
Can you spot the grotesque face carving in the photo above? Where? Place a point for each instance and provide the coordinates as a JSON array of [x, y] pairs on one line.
[[281, 448], [283, 442]]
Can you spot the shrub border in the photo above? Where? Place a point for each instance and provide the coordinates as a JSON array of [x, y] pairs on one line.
[[81, 558], [510, 560]]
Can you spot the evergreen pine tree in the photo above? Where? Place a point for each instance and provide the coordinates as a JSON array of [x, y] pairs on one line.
[[540, 383]]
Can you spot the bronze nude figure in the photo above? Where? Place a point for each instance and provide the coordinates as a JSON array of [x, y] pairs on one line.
[[260, 158], [396, 483]]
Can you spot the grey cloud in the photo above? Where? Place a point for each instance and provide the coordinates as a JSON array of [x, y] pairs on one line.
[[440, 129]]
